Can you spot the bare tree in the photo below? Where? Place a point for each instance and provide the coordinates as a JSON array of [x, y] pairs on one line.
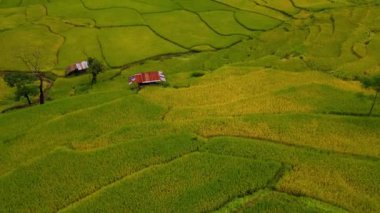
[[33, 64]]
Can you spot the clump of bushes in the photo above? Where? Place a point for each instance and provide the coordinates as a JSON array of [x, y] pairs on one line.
[[197, 74], [165, 84]]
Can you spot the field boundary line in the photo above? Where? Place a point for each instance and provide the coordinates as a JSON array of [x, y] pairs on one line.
[[279, 174], [213, 29], [64, 40], [58, 117], [290, 16], [119, 180], [350, 114], [85, 6], [83, 109], [249, 202], [100, 45], [288, 144], [311, 197], [249, 11], [244, 194], [271, 185]]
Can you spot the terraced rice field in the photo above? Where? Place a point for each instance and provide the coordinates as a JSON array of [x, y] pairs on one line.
[[263, 110]]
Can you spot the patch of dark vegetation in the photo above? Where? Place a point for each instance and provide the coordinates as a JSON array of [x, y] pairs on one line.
[[82, 89], [155, 58], [353, 114], [197, 74], [181, 86], [281, 172], [18, 107]]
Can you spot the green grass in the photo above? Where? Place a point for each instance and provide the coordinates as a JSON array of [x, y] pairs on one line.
[[11, 18], [32, 37], [35, 12], [56, 24], [319, 4], [103, 18], [186, 33], [6, 95], [16, 123], [77, 85], [33, 2], [118, 17], [10, 3], [236, 90], [59, 107], [143, 6], [78, 46], [257, 8], [337, 179], [229, 24], [195, 182], [202, 5], [272, 201], [5, 90], [65, 176], [76, 127], [254, 21], [285, 6], [145, 45], [329, 99], [262, 111], [73, 9], [313, 131]]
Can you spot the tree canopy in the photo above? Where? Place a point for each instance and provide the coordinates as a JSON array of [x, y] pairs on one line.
[[372, 82], [24, 84], [94, 67]]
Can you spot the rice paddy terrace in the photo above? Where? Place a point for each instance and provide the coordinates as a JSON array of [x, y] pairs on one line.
[[263, 111]]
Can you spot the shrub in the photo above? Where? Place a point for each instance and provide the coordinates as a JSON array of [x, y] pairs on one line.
[[197, 74]]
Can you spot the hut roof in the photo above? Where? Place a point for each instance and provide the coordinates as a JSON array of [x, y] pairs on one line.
[[80, 66]]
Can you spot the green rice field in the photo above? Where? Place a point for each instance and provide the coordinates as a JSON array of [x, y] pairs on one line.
[[263, 109]]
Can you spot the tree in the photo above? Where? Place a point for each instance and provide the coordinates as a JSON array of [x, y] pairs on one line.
[[94, 67], [32, 62], [24, 85], [373, 83]]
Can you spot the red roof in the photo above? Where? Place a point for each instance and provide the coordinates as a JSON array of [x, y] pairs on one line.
[[147, 77]]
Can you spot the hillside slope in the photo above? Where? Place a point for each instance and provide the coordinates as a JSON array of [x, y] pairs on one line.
[[262, 111]]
